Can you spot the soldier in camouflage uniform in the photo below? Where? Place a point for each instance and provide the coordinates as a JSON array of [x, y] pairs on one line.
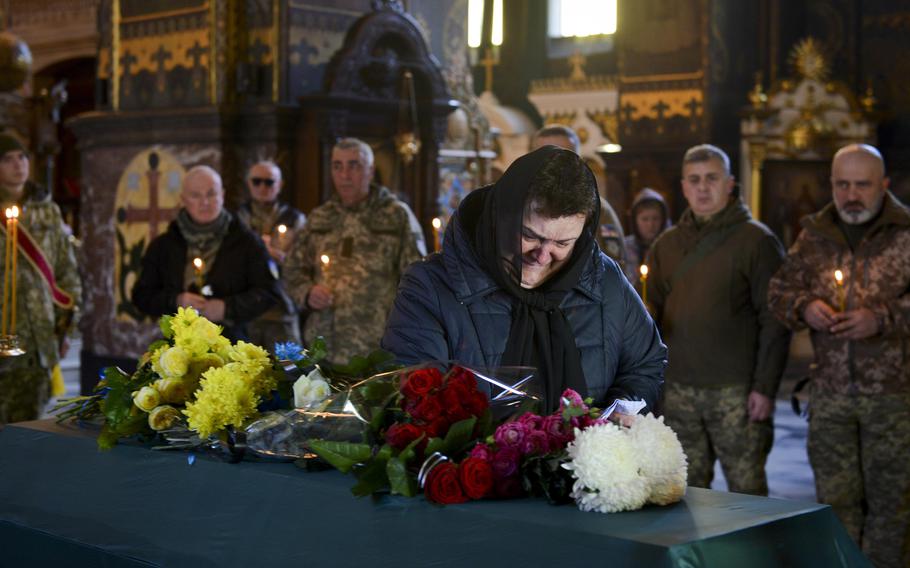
[[859, 416], [610, 237], [263, 214], [46, 296], [369, 237], [707, 290]]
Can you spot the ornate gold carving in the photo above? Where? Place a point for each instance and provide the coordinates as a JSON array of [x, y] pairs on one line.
[[608, 122], [563, 85], [868, 100], [577, 61], [115, 55], [660, 105], [757, 97], [564, 118], [757, 154], [808, 60]]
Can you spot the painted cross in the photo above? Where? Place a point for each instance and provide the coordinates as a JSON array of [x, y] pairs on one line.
[[153, 215], [693, 105], [160, 57], [126, 61], [196, 52], [628, 110], [660, 108]]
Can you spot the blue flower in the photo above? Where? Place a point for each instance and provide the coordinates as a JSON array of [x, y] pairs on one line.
[[289, 351]]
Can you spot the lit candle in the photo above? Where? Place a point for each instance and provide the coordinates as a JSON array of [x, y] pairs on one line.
[[644, 282], [282, 230], [841, 297], [14, 250], [437, 224], [198, 266], [6, 267], [325, 269]]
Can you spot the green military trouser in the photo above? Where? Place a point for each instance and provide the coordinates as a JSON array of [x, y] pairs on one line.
[[24, 388], [859, 448], [713, 423]]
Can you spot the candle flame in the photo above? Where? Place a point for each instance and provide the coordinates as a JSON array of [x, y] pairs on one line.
[[282, 229], [325, 259], [197, 262], [437, 224], [644, 270], [839, 276]]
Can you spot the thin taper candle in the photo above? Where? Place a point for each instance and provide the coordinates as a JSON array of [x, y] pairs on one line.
[[6, 269], [644, 283], [15, 254]]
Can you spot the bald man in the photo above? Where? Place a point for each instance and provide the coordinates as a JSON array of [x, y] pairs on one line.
[[859, 428], [236, 283]]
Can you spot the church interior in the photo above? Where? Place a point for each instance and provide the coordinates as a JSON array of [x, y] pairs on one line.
[[117, 99], [99, 87]]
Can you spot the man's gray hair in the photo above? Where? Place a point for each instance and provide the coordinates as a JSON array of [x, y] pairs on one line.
[[269, 163], [357, 144], [203, 170], [705, 152], [559, 130]]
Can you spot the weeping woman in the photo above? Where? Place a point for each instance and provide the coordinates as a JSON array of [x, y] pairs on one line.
[[521, 281]]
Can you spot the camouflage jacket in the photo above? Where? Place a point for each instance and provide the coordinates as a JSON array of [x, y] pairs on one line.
[[40, 324], [368, 247], [876, 276]]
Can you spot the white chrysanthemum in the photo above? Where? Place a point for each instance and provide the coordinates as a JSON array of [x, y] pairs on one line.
[[663, 460], [604, 462]]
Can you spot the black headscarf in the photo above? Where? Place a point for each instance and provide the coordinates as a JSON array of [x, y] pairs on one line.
[[540, 335]]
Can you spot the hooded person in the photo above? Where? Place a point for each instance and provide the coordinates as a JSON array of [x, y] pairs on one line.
[[648, 218], [520, 281]]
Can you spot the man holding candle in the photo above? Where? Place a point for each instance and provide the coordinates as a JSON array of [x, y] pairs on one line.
[[859, 427], [707, 284], [234, 263], [277, 223], [47, 287], [369, 237]]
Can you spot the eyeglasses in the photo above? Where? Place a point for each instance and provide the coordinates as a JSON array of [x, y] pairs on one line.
[[268, 182]]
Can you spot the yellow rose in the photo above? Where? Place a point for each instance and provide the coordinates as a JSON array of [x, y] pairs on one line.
[[174, 391], [146, 398], [163, 417], [174, 362]]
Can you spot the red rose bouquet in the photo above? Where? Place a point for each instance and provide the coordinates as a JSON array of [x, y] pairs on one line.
[[419, 425]]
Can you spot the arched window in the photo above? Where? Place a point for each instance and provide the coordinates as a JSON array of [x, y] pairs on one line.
[[581, 18]]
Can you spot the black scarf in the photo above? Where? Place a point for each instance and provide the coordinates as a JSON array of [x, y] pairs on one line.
[[203, 239], [540, 335]]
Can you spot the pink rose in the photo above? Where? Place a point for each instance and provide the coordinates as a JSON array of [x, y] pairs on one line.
[[505, 462], [573, 398], [532, 420], [536, 443], [482, 451], [511, 434]]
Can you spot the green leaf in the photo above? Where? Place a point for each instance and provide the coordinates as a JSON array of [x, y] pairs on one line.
[[484, 426], [433, 446], [458, 437], [408, 453], [318, 351], [342, 455], [106, 438], [165, 324], [371, 478], [401, 481], [156, 344]]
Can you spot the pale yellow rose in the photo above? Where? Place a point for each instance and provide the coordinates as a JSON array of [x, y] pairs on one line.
[[174, 362], [173, 391], [310, 389], [163, 417], [146, 398]]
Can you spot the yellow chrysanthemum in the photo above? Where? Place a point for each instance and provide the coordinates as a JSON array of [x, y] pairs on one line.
[[225, 398]]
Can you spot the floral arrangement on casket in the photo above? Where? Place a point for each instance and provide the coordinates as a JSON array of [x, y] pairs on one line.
[[194, 377], [426, 429]]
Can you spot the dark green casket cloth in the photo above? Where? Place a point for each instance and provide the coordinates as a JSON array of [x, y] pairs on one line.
[[64, 503]]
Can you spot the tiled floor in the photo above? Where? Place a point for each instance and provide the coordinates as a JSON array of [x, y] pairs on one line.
[[789, 474]]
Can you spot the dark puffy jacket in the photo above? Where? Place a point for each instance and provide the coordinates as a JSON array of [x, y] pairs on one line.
[[448, 308], [239, 275]]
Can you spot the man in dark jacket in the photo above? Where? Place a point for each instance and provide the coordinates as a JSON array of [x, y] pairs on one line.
[[707, 284], [277, 223], [556, 303], [230, 284], [859, 427]]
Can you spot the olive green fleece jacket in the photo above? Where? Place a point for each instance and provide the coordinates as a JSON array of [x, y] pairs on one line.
[[713, 313]]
